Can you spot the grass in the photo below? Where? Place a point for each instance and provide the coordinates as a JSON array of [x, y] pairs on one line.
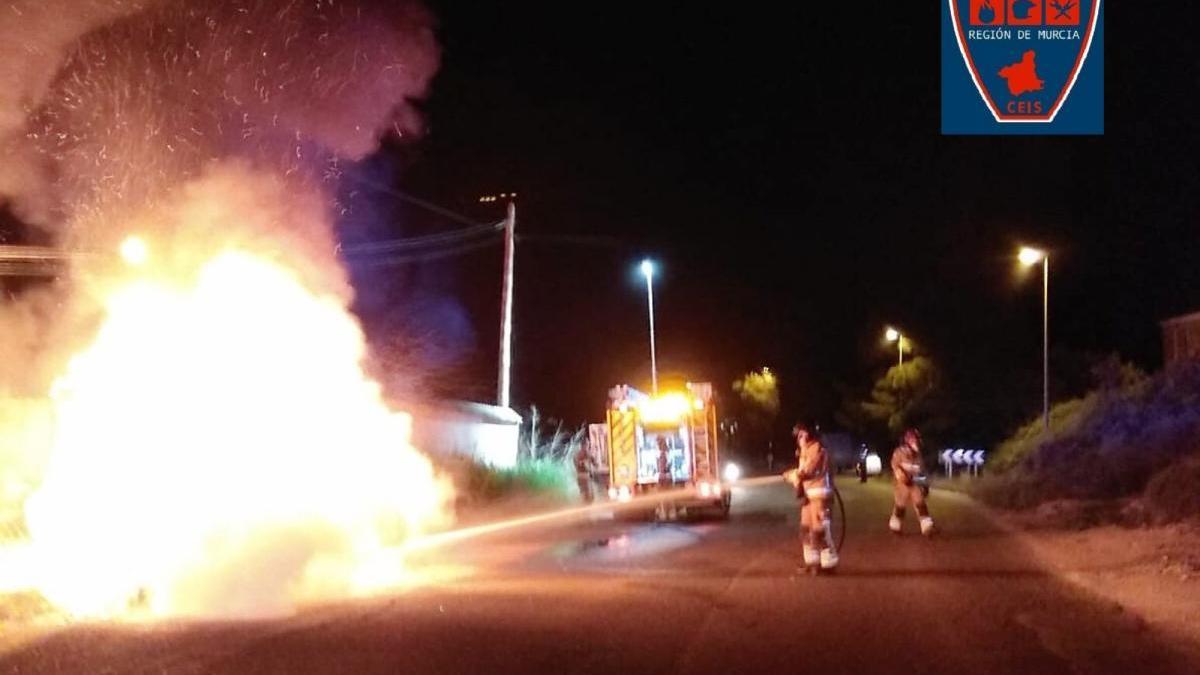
[[959, 483], [544, 467], [1173, 494], [528, 477]]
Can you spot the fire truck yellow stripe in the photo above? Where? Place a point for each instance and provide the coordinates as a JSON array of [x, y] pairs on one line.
[[623, 444]]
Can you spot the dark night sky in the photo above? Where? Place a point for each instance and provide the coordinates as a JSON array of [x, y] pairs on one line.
[[787, 168], [784, 163]]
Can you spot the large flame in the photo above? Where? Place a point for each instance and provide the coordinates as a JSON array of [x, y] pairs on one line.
[[218, 449], [211, 444]]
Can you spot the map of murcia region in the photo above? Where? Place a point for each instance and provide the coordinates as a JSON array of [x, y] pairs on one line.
[[1022, 76]]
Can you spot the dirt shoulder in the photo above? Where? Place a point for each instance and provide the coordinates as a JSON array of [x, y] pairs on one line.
[[1152, 572]]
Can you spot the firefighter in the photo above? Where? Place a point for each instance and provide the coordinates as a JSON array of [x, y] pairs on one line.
[[909, 488], [665, 480], [584, 466], [814, 489]]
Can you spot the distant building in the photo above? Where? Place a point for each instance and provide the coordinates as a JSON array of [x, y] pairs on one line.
[[1181, 338], [466, 430]]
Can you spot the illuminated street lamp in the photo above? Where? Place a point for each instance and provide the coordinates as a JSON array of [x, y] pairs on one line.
[[134, 251], [648, 272], [1030, 257], [896, 336]]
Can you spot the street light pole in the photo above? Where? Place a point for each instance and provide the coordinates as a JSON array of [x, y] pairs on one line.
[[648, 272], [896, 336], [1046, 342], [1029, 257]]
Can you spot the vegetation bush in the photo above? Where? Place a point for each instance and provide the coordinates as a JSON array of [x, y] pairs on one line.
[[1105, 445], [1173, 494], [530, 476], [544, 463]]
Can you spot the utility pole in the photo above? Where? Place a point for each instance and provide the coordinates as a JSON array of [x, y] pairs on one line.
[[506, 310]]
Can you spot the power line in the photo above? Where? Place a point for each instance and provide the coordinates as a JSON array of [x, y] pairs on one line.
[[422, 241], [423, 203], [395, 260]]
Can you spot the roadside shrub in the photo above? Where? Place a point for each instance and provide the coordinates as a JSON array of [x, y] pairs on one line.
[[1173, 494], [528, 477], [1012, 490], [544, 476], [1064, 418], [546, 440], [1106, 445]]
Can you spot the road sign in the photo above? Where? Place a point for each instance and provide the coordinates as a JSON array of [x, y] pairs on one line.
[[970, 458]]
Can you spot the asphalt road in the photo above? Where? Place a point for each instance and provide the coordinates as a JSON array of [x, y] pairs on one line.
[[601, 596]]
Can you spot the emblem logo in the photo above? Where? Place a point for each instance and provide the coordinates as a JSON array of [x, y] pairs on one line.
[[1024, 57]]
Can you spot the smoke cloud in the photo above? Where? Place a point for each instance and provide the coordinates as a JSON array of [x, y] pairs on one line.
[[146, 101], [35, 37], [109, 108]]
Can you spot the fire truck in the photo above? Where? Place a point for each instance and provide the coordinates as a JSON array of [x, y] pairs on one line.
[[687, 421]]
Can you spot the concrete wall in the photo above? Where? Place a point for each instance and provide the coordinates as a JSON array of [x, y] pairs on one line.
[[1181, 339]]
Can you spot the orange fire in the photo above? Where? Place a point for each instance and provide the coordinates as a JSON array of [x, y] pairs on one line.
[[217, 449]]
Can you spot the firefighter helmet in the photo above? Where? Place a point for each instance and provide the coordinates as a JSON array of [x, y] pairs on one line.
[[911, 436]]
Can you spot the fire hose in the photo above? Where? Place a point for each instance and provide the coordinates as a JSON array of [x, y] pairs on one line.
[[838, 526]]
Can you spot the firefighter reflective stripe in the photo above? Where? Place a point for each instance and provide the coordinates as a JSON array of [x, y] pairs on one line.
[[622, 443], [818, 492], [704, 441], [700, 449]]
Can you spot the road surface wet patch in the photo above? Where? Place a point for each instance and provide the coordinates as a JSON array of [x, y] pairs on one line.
[[627, 545]]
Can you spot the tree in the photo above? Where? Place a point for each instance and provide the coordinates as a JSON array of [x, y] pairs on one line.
[[760, 391], [759, 394], [909, 395], [851, 416]]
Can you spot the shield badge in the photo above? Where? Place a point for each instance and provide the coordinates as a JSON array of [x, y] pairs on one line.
[[1024, 56]]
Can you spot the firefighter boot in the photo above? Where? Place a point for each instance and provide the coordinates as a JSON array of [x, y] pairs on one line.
[[812, 557], [926, 526]]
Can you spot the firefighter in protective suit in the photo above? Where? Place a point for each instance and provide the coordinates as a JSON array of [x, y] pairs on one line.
[[583, 470], [909, 488], [814, 489], [666, 509]]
